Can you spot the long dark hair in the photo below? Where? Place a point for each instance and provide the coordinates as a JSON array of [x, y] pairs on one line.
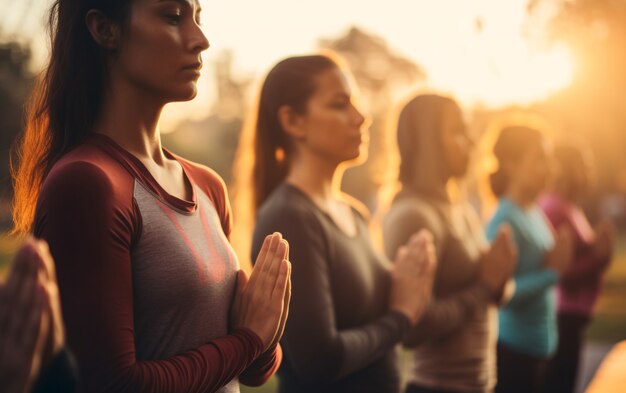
[[291, 82], [265, 150], [65, 102], [420, 123], [512, 144]]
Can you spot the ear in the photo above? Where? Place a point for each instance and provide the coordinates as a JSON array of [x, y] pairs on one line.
[[291, 122], [103, 30]]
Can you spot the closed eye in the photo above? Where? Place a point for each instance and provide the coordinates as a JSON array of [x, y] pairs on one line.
[[173, 19]]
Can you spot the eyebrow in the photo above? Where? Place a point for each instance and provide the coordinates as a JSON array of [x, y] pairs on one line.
[[189, 3], [342, 94]]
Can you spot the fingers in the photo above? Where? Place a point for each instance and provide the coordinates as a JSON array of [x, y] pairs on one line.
[[37, 322], [19, 296], [21, 290], [417, 256], [275, 265], [422, 238], [401, 255], [242, 283], [431, 260], [427, 251], [504, 232], [287, 299], [265, 255], [46, 261], [285, 314], [237, 305], [506, 243], [271, 256], [260, 259], [280, 285]]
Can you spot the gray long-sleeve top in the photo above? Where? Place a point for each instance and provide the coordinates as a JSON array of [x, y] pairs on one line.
[[454, 342], [340, 336]]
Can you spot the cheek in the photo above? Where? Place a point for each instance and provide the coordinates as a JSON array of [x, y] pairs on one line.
[[457, 154], [150, 52], [329, 125], [462, 150], [541, 174]]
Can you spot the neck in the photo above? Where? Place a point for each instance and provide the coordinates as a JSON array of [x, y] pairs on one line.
[[130, 117], [566, 194], [521, 196], [436, 189], [318, 178]]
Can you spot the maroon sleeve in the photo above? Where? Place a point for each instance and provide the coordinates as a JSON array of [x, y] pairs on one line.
[[87, 215], [585, 265], [263, 368]]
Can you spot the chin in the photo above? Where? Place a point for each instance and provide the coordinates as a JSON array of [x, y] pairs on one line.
[[187, 93], [460, 173], [358, 158]]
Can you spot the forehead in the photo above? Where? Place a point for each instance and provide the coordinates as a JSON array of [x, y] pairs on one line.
[[451, 112], [543, 148], [333, 81], [194, 4]]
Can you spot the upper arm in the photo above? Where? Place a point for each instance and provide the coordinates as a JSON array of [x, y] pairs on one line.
[[405, 219], [89, 228], [310, 338]]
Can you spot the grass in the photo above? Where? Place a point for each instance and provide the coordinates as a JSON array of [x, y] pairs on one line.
[[609, 325], [8, 246]]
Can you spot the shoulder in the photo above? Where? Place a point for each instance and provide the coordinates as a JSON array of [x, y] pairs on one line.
[[357, 206], [505, 211], [415, 211], [288, 211], [208, 180], [554, 209], [523, 223], [286, 204], [87, 171], [88, 189]]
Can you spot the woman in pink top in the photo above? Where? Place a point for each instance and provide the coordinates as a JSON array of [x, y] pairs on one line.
[[580, 285]]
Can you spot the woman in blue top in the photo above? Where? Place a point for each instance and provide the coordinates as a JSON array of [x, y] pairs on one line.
[[528, 332]]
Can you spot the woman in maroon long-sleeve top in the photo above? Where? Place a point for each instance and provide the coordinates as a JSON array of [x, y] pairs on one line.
[[151, 291], [581, 284]]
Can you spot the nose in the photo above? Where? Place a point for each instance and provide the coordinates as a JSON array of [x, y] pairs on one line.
[[469, 135], [359, 119], [198, 41], [471, 140]]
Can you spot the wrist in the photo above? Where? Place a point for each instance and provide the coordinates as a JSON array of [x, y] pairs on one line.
[[405, 313], [490, 289]]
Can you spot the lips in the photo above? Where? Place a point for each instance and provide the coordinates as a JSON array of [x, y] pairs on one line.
[[197, 66]]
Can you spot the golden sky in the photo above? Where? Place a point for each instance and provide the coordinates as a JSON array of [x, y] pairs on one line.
[[494, 66]]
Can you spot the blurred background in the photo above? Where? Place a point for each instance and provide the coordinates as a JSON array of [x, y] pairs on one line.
[[562, 60]]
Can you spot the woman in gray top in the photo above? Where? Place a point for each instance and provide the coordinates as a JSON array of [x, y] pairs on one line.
[[349, 308], [455, 341]]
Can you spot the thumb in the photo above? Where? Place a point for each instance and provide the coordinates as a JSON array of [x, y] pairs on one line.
[[242, 280], [401, 254], [504, 234]]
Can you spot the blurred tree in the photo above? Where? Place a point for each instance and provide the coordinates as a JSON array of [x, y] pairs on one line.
[[15, 84], [382, 76], [594, 106]]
